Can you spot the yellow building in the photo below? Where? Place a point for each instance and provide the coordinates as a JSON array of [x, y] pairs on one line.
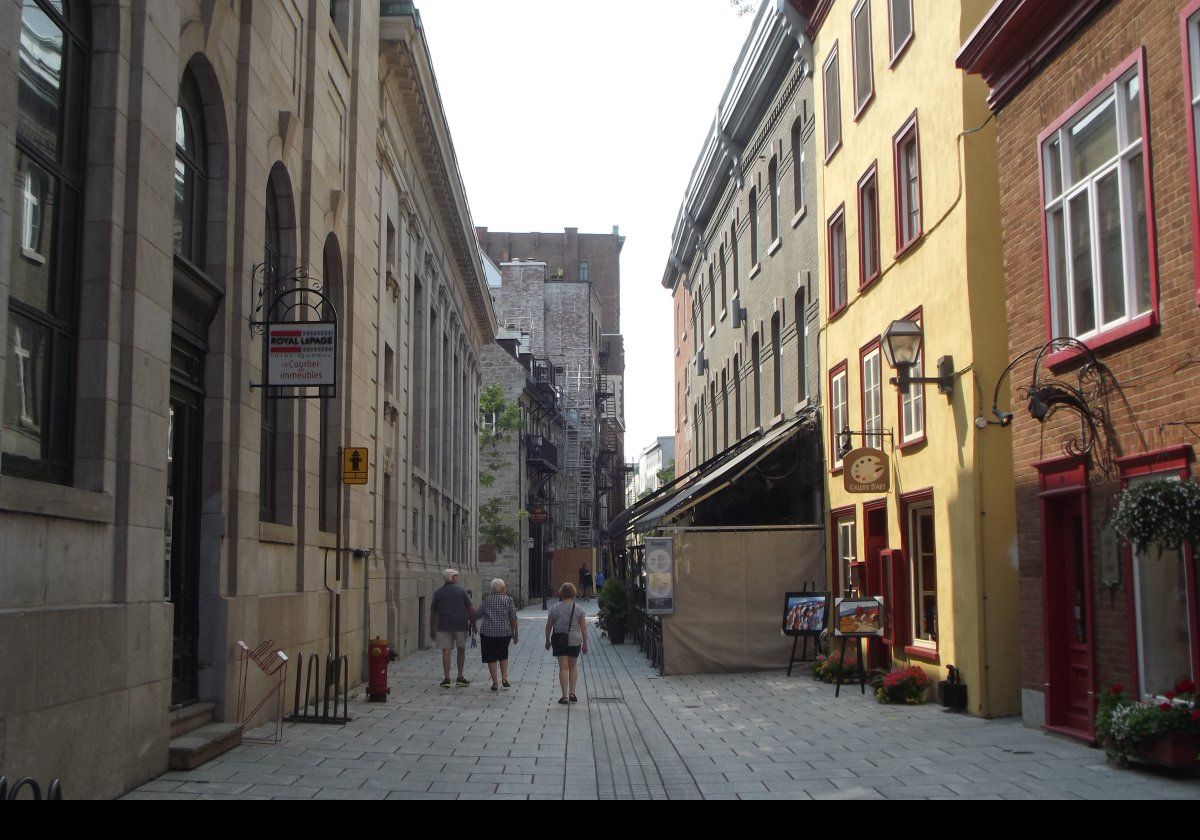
[[909, 200]]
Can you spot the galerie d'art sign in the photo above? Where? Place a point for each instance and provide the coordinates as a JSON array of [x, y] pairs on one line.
[[866, 471], [302, 355]]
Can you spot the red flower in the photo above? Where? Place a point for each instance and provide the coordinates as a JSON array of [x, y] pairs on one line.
[[1166, 707], [1186, 687], [1196, 717], [1117, 689], [1170, 695]]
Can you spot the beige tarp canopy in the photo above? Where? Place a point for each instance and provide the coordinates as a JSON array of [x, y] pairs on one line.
[[729, 596]]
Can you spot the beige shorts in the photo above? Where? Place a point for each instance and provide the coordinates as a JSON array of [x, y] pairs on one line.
[[447, 639]]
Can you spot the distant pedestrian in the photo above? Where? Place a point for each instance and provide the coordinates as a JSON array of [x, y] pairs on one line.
[[566, 636], [498, 626], [599, 582], [451, 618]]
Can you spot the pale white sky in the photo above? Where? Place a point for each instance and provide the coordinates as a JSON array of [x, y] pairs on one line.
[[583, 114]]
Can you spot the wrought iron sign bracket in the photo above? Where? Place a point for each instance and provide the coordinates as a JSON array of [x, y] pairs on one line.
[[297, 300]]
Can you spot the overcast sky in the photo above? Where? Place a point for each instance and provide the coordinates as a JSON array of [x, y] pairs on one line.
[[590, 115]]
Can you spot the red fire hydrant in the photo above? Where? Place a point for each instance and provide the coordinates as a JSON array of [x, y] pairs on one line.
[[377, 662]]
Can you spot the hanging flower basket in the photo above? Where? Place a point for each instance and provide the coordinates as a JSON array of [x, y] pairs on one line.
[[1163, 512]]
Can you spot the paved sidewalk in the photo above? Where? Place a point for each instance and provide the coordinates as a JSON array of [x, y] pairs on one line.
[[635, 735]]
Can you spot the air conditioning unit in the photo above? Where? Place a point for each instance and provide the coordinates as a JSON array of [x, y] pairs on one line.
[[739, 315], [701, 364]]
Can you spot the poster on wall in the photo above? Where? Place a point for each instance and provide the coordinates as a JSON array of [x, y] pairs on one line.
[[660, 576], [805, 613], [861, 617]]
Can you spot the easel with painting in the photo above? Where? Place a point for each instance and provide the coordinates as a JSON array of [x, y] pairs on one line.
[[804, 617], [857, 619]]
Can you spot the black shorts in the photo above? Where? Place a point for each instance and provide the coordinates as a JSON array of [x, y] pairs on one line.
[[494, 648], [566, 650]]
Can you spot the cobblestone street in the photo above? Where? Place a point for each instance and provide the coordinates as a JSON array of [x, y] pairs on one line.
[[635, 735]]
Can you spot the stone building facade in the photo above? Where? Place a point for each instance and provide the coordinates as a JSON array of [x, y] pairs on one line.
[[744, 264], [155, 508], [1095, 612]]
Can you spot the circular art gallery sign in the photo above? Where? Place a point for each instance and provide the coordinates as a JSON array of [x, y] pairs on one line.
[[866, 471], [302, 355]]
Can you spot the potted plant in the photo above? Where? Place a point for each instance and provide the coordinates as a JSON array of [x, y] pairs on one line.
[[1166, 733], [1162, 511], [829, 668], [614, 610], [904, 685]]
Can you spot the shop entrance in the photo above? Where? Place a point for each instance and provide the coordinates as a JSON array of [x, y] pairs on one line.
[[875, 542], [1069, 645]]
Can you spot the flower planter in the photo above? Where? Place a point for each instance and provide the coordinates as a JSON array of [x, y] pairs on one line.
[[1174, 750]]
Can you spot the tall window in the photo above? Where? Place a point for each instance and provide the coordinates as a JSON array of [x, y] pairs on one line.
[[901, 25], [839, 415], [47, 193], [798, 165], [864, 71], [833, 105], [872, 398], [190, 179], [754, 226], [773, 185], [912, 401], [801, 348], [275, 450], [725, 407], [712, 391], [838, 287], [907, 153], [850, 571], [922, 554], [776, 364], [868, 229], [737, 398], [584, 272], [733, 250], [724, 281], [756, 372], [699, 286], [712, 293], [1097, 213], [1192, 62], [339, 13], [330, 434]]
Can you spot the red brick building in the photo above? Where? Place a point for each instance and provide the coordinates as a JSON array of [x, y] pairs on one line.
[[1096, 110]]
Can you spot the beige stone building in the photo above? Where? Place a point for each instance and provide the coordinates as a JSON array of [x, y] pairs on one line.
[[155, 506]]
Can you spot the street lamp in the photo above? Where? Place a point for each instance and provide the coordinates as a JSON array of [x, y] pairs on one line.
[[902, 347]]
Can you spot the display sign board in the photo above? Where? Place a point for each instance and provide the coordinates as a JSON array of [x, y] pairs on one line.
[[866, 471], [302, 355], [355, 465], [660, 576]]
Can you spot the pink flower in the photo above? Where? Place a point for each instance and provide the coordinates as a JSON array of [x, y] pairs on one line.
[[1170, 695], [1166, 707], [1186, 687], [1117, 689], [1195, 717]]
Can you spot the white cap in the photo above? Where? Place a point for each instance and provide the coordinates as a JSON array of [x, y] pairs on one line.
[[449, 575]]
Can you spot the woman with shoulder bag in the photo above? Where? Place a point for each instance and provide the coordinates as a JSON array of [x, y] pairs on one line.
[[566, 635]]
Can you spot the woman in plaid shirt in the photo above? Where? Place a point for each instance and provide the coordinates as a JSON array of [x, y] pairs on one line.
[[498, 626]]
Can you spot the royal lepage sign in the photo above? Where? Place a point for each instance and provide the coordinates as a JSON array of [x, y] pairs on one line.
[[302, 355]]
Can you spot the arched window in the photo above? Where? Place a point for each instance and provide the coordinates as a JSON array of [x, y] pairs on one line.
[[773, 185], [275, 452], [801, 349], [191, 173], [756, 372], [777, 363], [47, 192], [331, 414], [733, 250], [797, 165], [737, 398]]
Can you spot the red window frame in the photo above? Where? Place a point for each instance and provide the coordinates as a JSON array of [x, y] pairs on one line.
[[1189, 11], [836, 518], [835, 466], [838, 218], [916, 316], [918, 498], [895, 576], [910, 129], [867, 349], [871, 176], [1175, 460], [1150, 320], [835, 61], [863, 6], [897, 52]]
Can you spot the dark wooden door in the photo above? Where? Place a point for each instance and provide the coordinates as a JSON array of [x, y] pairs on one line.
[[1069, 654], [184, 489], [875, 542]]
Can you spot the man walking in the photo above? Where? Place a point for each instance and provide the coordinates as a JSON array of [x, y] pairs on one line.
[[451, 617]]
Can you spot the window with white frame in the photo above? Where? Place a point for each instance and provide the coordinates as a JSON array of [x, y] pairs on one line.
[[912, 403], [872, 399], [848, 564], [901, 13], [1193, 41], [33, 195], [838, 283], [833, 105], [839, 417], [908, 185], [1164, 631], [923, 559], [864, 79], [1096, 214]]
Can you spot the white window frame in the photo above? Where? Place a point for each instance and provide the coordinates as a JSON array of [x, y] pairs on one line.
[[847, 530], [862, 95], [33, 214], [1067, 322], [872, 398], [918, 592], [912, 404], [839, 414]]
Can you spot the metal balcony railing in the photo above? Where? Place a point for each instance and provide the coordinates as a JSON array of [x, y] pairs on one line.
[[541, 453]]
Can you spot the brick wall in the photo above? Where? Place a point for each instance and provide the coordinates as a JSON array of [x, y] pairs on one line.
[[1154, 388]]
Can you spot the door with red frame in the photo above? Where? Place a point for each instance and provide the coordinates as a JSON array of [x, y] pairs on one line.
[[1067, 603], [875, 542]]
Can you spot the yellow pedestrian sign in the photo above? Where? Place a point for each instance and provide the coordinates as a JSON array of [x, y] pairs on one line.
[[355, 462]]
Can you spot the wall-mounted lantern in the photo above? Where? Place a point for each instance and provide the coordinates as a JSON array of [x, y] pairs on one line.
[[902, 347]]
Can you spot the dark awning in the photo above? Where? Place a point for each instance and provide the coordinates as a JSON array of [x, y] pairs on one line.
[[714, 480]]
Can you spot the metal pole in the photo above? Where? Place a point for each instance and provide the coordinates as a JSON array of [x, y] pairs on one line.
[[337, 594], [541, 552]]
